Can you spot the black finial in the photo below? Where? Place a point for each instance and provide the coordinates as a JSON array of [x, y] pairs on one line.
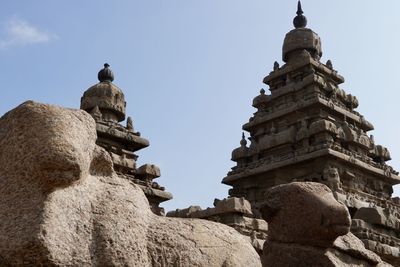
[[105, 74], [299, 10], [243, 142], [329, 64], [276, 65], [300, 21]]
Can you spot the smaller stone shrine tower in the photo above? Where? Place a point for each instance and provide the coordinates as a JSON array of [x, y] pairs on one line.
[[106, 103], [308, 129]]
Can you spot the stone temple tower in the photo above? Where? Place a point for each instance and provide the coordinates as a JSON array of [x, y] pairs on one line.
[[106, 103], [308, 129]]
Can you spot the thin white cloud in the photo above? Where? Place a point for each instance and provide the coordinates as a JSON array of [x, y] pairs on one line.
[[18, 32]]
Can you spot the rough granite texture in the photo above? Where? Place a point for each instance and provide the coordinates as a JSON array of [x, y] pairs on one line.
[[308, 227], [61, 204]]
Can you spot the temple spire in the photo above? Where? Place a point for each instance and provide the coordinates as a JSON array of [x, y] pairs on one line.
[[300, 21]]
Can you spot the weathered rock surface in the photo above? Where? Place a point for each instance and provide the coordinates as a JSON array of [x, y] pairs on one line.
[[61, 204], [308, 227]]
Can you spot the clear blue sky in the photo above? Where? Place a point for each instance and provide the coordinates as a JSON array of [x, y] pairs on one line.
[[190, 69]]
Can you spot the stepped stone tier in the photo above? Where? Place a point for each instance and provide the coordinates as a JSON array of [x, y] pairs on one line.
[[308, 129], [106, 103]]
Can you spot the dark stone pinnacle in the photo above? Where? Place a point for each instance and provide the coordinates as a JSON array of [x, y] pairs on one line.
[[300, 21], [105, 74]]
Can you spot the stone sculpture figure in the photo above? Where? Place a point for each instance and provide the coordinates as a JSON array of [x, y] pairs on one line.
[[332, 179], [129, 124], [308, 227], [61, 203]]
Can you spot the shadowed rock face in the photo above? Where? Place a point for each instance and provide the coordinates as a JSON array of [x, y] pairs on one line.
[[308, 227], [61, 204]]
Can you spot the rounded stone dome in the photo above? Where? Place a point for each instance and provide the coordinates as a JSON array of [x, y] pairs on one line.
[[301, 39], [242, 151], [261, 100], [239, 153], [105, 95]]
